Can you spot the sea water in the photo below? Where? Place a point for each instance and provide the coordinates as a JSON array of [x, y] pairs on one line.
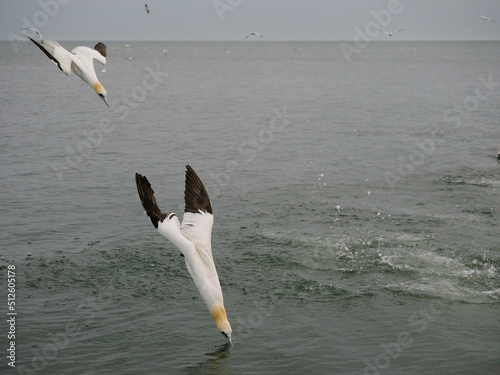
[[356, 208]]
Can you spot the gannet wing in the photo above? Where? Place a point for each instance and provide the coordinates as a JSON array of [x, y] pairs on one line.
[[198, 215], [64, 57], [101, 48], [167, 224], [86, 54], [196, 229], [146, 194], [51, 48], [195, 195]]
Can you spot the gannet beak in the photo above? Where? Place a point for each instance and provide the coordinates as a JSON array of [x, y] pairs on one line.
[[103, 97], [228, 338]]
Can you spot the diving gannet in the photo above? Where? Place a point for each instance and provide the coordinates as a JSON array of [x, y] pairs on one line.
[[79, 60], [193, 238]]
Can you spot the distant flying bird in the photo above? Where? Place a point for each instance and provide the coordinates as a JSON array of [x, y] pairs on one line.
[[253, 33], [390, 33], [192, 238], [146, 8], [80, 61], [485, 18]]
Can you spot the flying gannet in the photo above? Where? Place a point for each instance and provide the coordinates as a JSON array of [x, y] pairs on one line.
[[485, 18], [79, 60], [193, 238], [390, 33], [146, 8], [253, 33]]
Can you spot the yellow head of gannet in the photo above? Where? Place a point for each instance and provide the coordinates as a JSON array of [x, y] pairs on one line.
[[99, 89], [220, 317]]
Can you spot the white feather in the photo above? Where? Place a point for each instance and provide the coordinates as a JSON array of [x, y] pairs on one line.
[[193, 239]]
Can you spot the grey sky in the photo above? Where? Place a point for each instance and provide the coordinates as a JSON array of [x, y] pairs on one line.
[[125, 20]]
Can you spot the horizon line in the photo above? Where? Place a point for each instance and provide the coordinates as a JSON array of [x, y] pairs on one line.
[[264, 41]]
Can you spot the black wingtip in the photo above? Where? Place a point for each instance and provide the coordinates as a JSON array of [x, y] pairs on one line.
[[47, 53], [195, 195], [146, 194], [42, 48], [101, 48]]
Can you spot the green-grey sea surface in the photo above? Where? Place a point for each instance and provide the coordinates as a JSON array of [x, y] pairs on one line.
[[356, 208]]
